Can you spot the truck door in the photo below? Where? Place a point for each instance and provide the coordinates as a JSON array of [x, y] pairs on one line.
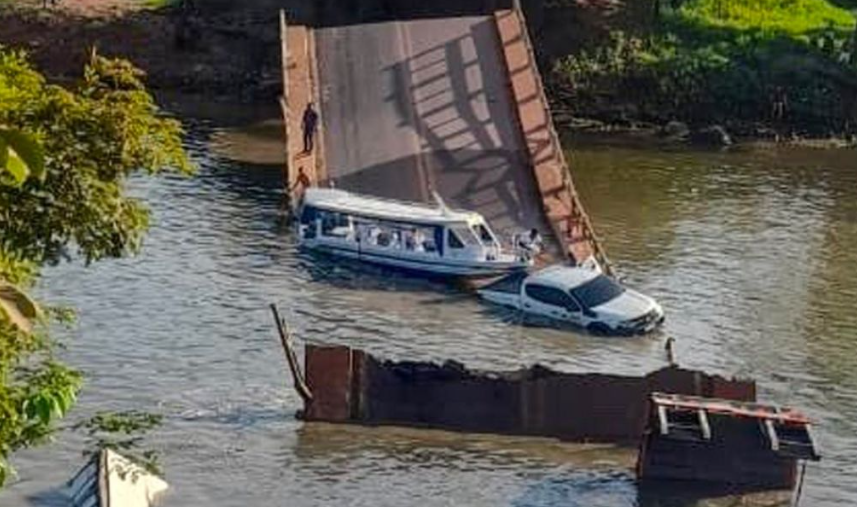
[[550, 302]]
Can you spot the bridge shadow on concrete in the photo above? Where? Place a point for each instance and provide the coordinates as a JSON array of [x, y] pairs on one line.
[[349, 12], [465, 118], [445, 106]]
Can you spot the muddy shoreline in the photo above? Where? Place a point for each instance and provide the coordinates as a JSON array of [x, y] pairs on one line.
[[219, 53], [223, 52]]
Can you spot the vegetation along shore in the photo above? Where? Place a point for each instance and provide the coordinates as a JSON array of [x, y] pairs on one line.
[[698, 70], [704, 69]]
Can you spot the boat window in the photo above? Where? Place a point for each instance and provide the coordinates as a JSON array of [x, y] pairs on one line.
[[308, 215], [551, 296], [453, 240], [310, 230], [464, 235], [485, 234], [334, 224], [418, 239], [597, 291]]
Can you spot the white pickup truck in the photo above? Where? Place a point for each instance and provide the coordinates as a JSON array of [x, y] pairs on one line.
[[583, 296]]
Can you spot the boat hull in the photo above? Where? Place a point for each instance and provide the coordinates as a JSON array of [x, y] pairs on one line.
[[447, 267]]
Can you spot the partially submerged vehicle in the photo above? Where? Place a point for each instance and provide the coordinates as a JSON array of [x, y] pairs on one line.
[[579, 295], [417, 237]]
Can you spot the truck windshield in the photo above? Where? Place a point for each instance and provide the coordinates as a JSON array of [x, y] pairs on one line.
[[597, 291]]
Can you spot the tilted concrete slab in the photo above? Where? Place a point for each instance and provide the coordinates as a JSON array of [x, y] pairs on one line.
[[412, 106]]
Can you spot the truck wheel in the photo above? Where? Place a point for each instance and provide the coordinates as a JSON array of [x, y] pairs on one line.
[[599, 329]]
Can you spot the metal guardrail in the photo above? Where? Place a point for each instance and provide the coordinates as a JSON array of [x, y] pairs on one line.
[[577, 212]]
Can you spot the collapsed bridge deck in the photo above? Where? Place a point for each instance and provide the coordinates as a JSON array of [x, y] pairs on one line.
[[447, 104]]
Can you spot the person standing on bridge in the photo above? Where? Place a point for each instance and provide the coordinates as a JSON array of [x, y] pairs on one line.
[[310, 126]]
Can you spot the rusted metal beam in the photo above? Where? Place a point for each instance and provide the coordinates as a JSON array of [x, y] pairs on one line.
[[285, 340], [352, 386]]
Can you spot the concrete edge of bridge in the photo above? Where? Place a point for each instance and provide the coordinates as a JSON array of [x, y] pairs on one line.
[[300, 86], [560, 203]]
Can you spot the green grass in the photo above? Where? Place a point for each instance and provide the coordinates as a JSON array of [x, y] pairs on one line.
[[793, 17], [724, 61], [159, 4]]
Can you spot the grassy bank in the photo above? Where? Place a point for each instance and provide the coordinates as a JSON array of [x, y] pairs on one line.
[[755, 66]]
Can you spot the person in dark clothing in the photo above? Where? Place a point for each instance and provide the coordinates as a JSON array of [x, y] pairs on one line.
[[302, 181], [310, 125]]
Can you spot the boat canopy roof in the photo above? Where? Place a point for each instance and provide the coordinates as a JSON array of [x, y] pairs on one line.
[[341, 201]]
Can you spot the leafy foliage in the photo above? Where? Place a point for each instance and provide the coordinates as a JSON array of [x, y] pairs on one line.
[[94, 136], [796, 17], [20, 157], [725, 61], [65, 154], [123, 432]]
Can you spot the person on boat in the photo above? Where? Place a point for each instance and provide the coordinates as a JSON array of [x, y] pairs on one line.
[[531, 243], [373, 234], [419, 240], [310, 126]]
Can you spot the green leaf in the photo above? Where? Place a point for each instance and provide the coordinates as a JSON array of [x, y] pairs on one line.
[[27, 150], [16, 168], [43, 408], [4, 150]]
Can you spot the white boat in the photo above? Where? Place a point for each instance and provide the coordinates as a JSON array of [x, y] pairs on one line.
[[418, 237], [110, 479]]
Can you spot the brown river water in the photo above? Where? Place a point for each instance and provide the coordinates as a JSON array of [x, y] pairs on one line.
[[752, 252]]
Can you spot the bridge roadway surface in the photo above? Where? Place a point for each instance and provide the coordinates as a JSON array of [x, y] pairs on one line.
[[411, 106]]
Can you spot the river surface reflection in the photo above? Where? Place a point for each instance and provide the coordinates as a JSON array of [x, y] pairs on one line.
[[753, 254]]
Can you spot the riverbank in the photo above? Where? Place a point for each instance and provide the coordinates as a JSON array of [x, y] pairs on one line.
[[689, 74], [218, 49], [706, 70]]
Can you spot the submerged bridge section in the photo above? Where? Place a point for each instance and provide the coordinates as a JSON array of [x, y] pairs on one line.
[[413, 103]]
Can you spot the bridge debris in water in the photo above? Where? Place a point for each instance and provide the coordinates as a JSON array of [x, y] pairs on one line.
[[707, 428], [350, 385], [745, 445]]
